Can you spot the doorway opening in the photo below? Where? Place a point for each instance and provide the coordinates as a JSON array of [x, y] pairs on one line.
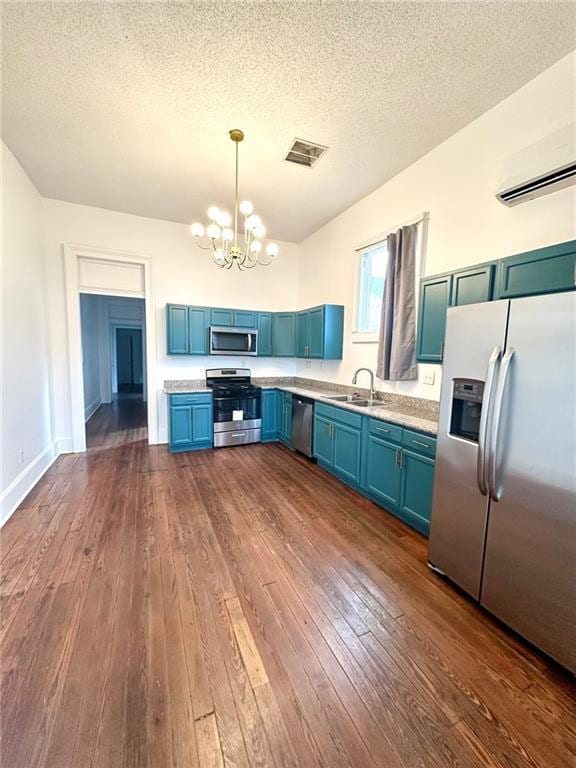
[[113, 336]]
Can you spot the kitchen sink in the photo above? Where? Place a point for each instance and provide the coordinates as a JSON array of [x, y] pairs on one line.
[[361, 402]]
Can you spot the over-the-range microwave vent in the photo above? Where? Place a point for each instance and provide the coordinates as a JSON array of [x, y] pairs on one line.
[[305, 153]]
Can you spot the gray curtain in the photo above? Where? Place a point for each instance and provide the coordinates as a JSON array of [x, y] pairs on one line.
[[397, 344]]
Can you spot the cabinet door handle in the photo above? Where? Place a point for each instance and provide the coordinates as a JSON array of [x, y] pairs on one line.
[[381, 429], [397, 458], [442, 349], [423, 445]]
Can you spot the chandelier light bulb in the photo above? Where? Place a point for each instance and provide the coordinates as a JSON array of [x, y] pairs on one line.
[[227, 235], [272, 249], [213, 212], [224, 219], [197, 229], [246, 207], [253, 222], [213, 231], [260, 231], [256, 246], [219, 254]]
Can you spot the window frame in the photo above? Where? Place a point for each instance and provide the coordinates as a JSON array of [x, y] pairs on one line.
[[362, 336]]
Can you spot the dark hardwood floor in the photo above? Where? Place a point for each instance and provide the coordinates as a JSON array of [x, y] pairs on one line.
[[241, 607]]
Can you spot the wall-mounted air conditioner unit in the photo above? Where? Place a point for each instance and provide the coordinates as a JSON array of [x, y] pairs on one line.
[[542, 168]]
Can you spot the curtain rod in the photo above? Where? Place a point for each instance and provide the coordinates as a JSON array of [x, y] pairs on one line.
[[423, 219]]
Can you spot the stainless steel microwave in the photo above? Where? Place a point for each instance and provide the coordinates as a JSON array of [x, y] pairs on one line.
[[233, 341]]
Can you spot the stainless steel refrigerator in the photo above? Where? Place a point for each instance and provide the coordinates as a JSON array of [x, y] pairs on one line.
[[504, 510]]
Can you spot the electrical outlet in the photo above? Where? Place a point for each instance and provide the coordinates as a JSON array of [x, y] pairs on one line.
[[429, 377]]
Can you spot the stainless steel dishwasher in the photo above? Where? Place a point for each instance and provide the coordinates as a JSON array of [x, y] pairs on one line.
[[302, 412]]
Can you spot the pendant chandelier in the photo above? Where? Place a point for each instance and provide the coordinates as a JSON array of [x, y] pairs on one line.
[[224, 243]]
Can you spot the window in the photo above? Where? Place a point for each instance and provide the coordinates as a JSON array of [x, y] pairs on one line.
[[371, 287]]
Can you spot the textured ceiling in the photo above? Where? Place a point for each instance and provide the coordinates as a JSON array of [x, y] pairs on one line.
[[127, 105]]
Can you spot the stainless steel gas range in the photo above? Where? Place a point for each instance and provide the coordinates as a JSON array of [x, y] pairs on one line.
[[237, 406]]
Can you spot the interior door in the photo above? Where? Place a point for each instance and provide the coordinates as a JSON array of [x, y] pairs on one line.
[[529, 576], [459, 510]]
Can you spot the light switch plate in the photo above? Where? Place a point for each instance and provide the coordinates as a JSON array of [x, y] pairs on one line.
[[429, 378]]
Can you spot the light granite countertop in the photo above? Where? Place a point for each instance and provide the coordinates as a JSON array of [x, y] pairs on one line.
[[410, 412]]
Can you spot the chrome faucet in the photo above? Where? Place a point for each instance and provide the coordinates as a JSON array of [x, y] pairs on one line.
[[355, 379]]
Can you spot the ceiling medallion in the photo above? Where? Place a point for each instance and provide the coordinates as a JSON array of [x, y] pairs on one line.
[[223, 241]]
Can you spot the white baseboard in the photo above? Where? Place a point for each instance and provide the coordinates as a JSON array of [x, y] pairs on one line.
[[91, 409], [21, 486]]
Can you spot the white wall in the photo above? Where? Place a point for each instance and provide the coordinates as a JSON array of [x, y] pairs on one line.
[[27, 448], [90, 326], [181, 273], [456, 183]]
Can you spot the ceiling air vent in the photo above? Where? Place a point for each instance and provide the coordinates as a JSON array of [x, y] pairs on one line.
[[305, 153]]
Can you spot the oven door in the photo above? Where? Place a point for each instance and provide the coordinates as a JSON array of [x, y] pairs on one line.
[[233, 341], [241, 412], [237, 420]]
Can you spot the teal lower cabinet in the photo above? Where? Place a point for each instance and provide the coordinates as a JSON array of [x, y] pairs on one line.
[[417, 475], [382, 471], [392, 466], [285, 417], [270, 414], [347, 452], [398, 471], [190, 422], [338, 441]]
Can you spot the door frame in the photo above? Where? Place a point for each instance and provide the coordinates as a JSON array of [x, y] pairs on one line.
[[72, 255]]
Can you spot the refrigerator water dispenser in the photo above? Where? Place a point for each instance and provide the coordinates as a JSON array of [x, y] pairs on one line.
[[466, 408]]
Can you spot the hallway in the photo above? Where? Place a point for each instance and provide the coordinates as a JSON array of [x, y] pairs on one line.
[[121, 422]]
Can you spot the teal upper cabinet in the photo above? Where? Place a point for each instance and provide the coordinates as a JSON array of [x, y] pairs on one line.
[[302, 333], [470, 286], [234, 318], [284, 334], [545, 270], [320, 332], [177, 329], [264, 326], [244, 318], [187, 330], [223, 318], [316, 332], [198, 324], [435, 293]]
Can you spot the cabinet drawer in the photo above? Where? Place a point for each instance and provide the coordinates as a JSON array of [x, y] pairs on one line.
[[202, 398], [418, 442], [347, 417], [326, 411], [385, 430]]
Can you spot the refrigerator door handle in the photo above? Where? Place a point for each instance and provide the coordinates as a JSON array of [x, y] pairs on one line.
[[484, 418], [495, 490]]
